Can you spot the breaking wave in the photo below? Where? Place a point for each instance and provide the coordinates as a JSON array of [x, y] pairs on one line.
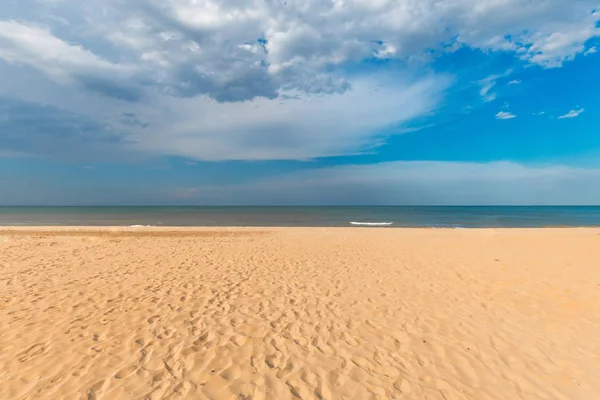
[[372, 223]]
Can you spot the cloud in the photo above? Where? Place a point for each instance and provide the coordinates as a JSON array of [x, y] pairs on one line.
[[131, 119], [416, 183], [255, 80], [107, 87], [591, 50], [297, 127], [237, 51], [485, 91], [37, 48], [557, 40], [505, 115], [293, 127], [388, 183], [554, 49], [36, 129], [572, 114], [298, 43], [514, 82], [488, 83]]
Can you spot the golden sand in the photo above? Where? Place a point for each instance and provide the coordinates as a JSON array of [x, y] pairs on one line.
[[310, 313]]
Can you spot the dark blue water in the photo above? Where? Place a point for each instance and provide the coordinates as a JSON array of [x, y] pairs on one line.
[[467, 217]]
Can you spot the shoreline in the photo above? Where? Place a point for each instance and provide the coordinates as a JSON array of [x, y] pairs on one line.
[[100, 228], [238, 231]]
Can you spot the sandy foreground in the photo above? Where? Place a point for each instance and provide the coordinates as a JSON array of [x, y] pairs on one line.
[[310, 313]]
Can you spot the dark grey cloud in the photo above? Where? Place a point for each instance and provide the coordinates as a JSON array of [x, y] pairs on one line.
[[223, 84], [110, 88], [131, 119], [37, 129]]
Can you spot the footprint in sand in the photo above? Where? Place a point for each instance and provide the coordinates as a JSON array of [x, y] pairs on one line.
[[191, 350], [159, 376], [32, 352], [183, 389], [205, 338], [95, 389], [238, 340], [274, 360]]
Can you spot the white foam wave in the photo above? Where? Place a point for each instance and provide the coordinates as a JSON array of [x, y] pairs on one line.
[[372, 223], [141, 226]]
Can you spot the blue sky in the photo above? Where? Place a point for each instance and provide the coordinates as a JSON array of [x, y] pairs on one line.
[[299, 102]]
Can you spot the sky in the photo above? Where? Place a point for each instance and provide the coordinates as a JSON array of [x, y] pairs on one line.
[[299, 102]]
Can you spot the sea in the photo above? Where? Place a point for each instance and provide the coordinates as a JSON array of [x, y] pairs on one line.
[[358, 217]]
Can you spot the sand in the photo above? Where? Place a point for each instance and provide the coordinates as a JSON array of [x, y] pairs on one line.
[[310, 313]]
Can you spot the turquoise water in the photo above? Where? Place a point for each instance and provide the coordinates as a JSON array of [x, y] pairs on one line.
[[466, 217]]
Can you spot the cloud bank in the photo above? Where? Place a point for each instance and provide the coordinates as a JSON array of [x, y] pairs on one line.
[[390, 183], [419, 183]]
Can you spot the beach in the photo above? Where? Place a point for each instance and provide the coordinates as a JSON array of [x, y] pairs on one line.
[[309, 313]]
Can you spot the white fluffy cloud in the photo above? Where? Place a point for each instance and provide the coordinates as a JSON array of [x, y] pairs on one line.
[[238, 50], [572, 114], [552, 50], [218, 47], [505, 115], [38, 48]]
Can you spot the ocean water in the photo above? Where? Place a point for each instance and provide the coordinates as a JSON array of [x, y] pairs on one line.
[[453, 217]]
